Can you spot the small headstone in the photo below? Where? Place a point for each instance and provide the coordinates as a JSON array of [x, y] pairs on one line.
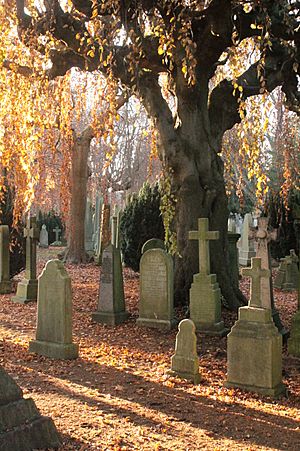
[[5, 282], [22, 428], [156, 306], [44, 237], [292, 272], [27, 288], [185, 362], [88, 227], [254, 345], [205, 294], [54, 314], [57, 241], [111, 304], [153, 243], [280, 277], [246, 246]]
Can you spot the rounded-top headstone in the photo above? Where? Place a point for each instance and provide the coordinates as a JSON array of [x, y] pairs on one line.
[[153, 243]]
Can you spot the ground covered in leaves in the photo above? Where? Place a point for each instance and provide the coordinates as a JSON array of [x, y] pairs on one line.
[[118, 395]]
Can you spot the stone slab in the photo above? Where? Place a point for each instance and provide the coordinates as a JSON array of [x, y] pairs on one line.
[[275, 392], [54, 350], [156, 323], [26, 291]]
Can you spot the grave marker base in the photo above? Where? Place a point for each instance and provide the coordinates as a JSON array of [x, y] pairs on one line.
[[275, 392], [26, 291], [5, 287], [54, 350], [194, 378], [112, 319], [156, 323]]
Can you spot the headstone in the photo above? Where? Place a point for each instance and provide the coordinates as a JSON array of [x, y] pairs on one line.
[[292, 273], [231, 225], [156, 306], [57, 241], [233, 253], [246, 246], [294, 340], [105, 236], [280, 277], [22, 428], [88, 227], [205, 294], [44, 237], [27, 288], [54, 314], [5, 282], [153, 243], [254, 345], [185, 362], [111, 304]]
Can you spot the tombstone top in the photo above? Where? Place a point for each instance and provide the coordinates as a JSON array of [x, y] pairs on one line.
[[31, 230], [153, 243], [44, 227], [256, 273], [262, 232], [203, 235]]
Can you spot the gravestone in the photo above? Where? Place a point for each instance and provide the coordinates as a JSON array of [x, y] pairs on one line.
[[54, 314], [156, 306], [44, 237], [280, 277], [5, 282], [105, 236], [88, 227], [22, 428], [57, 241], [233, 254], [254, 345], [294, 340], [28, 287], [185, 362], [246, 246], [292, 273], [205, 294], [153, 243], [111, 304], [231, 225]]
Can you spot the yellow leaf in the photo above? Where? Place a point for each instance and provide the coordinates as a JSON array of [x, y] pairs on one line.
[[184, 70], [160, 50]]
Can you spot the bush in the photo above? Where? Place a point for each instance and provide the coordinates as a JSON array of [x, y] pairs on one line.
[[140, 221]]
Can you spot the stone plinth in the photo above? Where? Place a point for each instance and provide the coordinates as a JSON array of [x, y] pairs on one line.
[[294, 340], [22, 428], [254, 353], [205, 304], [26, 291], [156, 290], [5, 282], [54, 321], [185, 362], [111, 304]]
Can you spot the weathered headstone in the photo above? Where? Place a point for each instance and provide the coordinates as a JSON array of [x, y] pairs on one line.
[[57, 241], [280, 277], [153, 243], [22, 428], [205, 294], [44, 242], [111, 304], [294, 340], [54, 314], [292, 273], [156, 306], [88, 227], [5, 282], [105, 236], [246, 246], [254, 345], [27, 288], [185, 362]]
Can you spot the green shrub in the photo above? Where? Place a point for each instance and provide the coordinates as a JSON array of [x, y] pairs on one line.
[[140, 221]]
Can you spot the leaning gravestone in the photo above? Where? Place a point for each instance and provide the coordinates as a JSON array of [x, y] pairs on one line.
[[111, 305], [185, 362], [44, 237], [22, 428], [156, 306], [205, 294], [153, 243], [246, 251], [5, 283], [54, 314], [27, 288], [254, 345]]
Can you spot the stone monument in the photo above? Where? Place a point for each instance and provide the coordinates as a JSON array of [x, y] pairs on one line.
[[254, 345], [292, 272], [5, 282], [246, 251], [54, 314], [111, 304], [205, 294], [44, 242], [185, 362], [57, 241], [156, 306], [105, 237], [280, 277], [22, 428], [27, 288], [153, 243]]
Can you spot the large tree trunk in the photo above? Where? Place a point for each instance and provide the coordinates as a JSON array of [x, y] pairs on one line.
[[75, 252]]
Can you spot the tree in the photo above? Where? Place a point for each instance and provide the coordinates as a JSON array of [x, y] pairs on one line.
[[137, 41]]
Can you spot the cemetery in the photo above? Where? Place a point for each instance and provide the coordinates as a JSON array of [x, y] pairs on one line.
[[149, 225]]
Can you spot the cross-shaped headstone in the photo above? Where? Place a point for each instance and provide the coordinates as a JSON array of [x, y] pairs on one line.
[[263, 237], [256, 273], [31, 233], [203, 235], [56, 231]]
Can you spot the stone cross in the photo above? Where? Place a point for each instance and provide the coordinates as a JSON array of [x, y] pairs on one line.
[[203, 235], [263, 237], [31, 233], [256, 273], [56, 231]]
